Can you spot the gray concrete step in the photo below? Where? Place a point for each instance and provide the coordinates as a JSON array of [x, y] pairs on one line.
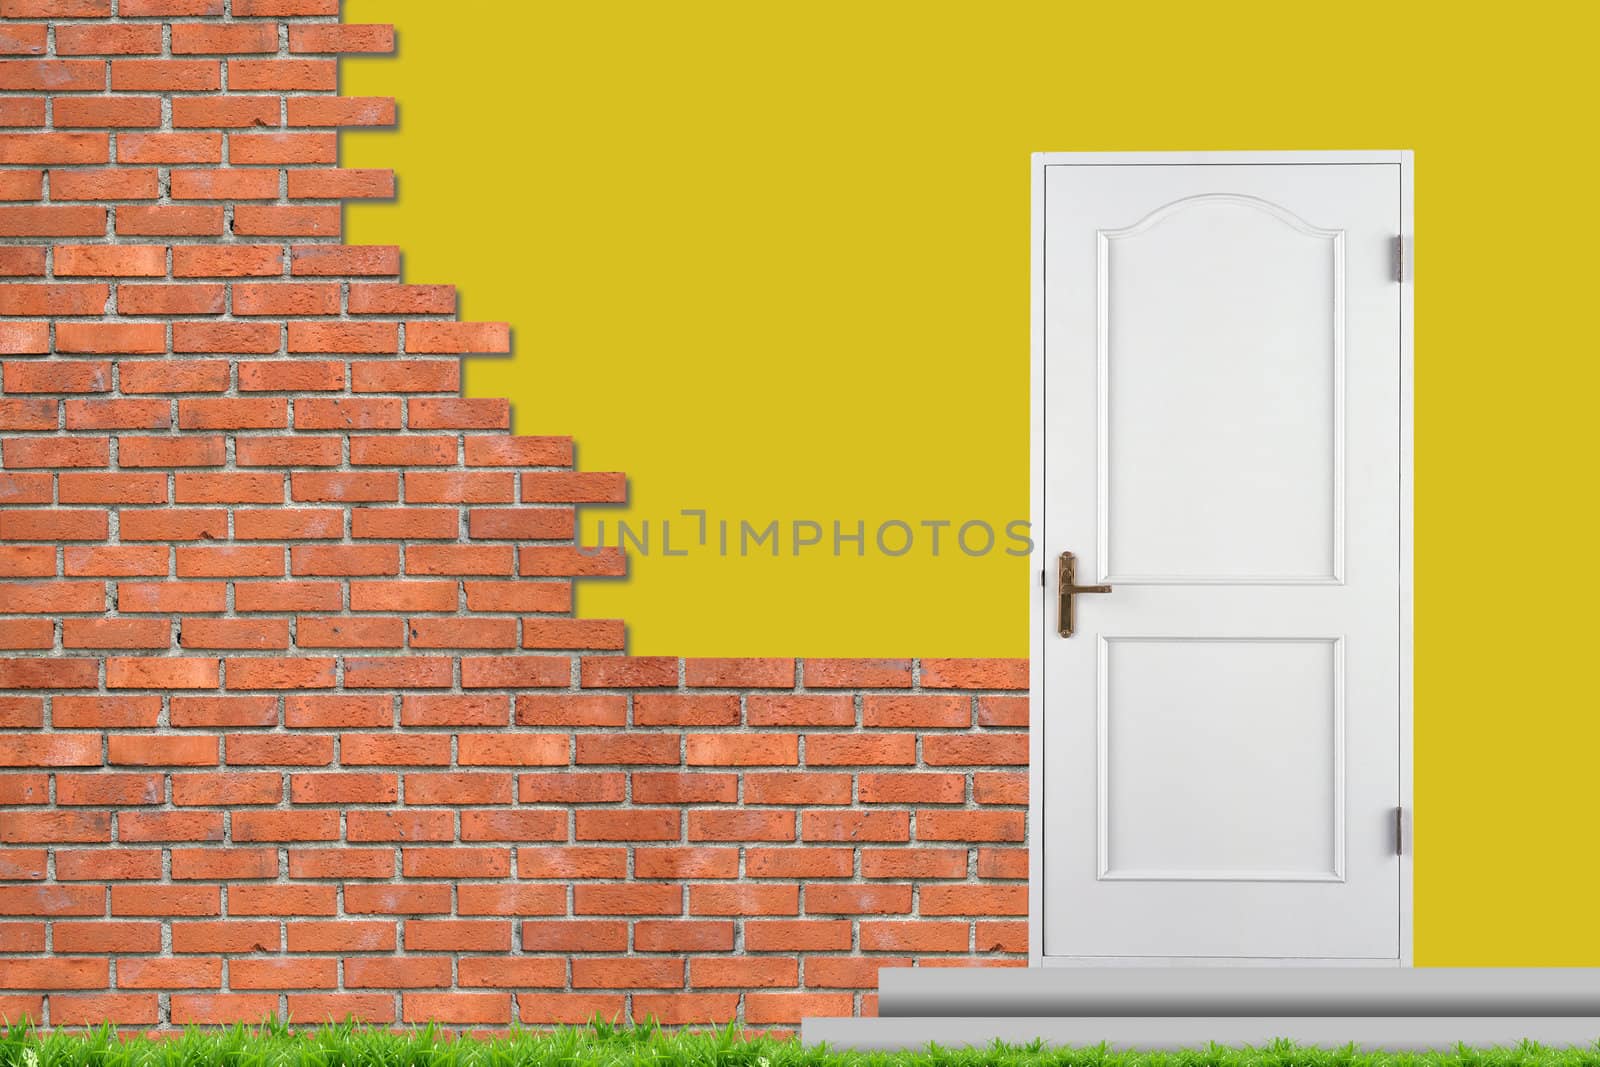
[[1387, 1032], [1238, 991]]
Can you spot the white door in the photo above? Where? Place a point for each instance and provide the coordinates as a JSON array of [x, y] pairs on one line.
[[1221, 427]]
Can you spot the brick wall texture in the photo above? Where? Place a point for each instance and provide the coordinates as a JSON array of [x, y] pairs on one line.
[[296, 719]]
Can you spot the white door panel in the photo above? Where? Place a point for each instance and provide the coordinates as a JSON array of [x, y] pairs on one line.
[[1221, 443]]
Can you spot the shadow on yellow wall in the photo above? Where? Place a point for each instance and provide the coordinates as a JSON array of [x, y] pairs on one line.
[[771, 260]]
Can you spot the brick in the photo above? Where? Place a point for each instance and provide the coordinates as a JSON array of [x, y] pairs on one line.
[[351, 633], [213, 788], [285, 298], [28, 414], [512, 750], [498, 972], [228, 183], [459, 559], [163, 900], [341, 37], [50, 597], [283, 74], [399, 826], [555, 787], [189, 38], [518, 596], [233, 413], [410, 672], [249, 900], [223, 711], [47, 901], [58, 376], [289, 220], [857, 673], [345, 560], [341, 111], [335, 260], [118, 414], [661, 787], [230, 261], [565, 863], [297, 376], [412, 899], [340, 184], [407, 376], [319, 711], [229, 561], [301, 673], [54, 525], [231, 937], [421, 450], [50, 750], [286, 825], [741, 750], [970, 825], [107, 936], [169, 148], [84, 40], [255, 337], [52, 221], [171, 596], [435, 337], [975, 673], [409, 973], [1002, 711], [478, 709], [741, 826], [342, 862], [138, 973], [986, 750], [153, 751], [281, 148], [52, 75], [824, 899], [861, 749], [567, 710], [24, 338], [478, 1008], [219, 1009], [913, 788], [93, 1010], [914, 863], [188, 376], [286, 596], [626, 973], [165, 75], [855, 826], [380, 298], [686, 863], [458, 413], [106, 111], [913, 935], [20, 184], [556, 935], [120, 183], [347, 935], [169, 826], [1000, 788], [110, 789], [115, 633], [17, 40], [627, 899], [457, 862], [24, 489], [509, 899], [140, 220], [286, 452], [277, 524], [748, 899], [51, 148], [972, 900], [57, 299], [341, 486]]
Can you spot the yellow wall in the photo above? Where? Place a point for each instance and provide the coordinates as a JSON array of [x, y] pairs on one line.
[[771, 260]]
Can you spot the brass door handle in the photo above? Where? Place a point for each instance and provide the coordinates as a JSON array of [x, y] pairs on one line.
[[1067, 587]]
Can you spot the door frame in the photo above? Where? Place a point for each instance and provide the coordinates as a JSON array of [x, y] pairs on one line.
[[1039, 599]]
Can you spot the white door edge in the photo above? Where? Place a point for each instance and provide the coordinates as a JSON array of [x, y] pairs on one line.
[[1038, 560]]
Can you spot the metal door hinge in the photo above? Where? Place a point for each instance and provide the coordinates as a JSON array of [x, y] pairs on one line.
[[1402, 258], [1041, 579], [1399, 831]]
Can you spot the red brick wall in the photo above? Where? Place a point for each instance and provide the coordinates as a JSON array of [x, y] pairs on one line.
[[295, 717]]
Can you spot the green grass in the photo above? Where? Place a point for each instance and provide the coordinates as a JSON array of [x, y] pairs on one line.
[[603, 1045]]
